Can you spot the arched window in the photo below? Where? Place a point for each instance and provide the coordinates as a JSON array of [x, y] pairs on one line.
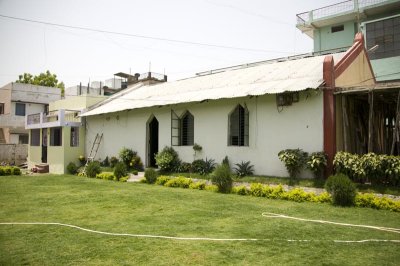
[[187, 129], [239, 127]]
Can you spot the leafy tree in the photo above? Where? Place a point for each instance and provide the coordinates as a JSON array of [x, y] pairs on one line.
[[43, 79]]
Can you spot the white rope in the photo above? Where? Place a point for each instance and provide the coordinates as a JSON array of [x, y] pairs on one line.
[[274, 215], [265, 214]]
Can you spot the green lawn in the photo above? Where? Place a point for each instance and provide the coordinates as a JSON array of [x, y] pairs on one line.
[[149, 209]]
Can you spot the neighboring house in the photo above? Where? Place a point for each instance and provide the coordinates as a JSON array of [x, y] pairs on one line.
[[248, 113], [367, 116], [334, 27], [57, 138], [18, 100]]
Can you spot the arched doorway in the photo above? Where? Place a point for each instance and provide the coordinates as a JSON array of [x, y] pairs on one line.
[[152, 141]]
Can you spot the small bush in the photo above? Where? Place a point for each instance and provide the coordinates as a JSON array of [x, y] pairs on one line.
[[240, 190], [135, 172], [294, 160], [342, 190], [200, 185], [113, 161], [124, 179], [167, 159], [16, 171], [184, 167], [226, 161], [126, 155], [151, 175], [349, 165], [105, 162], [72, 168], [257, 190], [203, 167], [161, 180], [181, 182], [244, 169], [369, 200], [106, 176], [212, 188], [120, 170], [136, 163], [92, 169], [222, 178], [7, 170], [317, 163]]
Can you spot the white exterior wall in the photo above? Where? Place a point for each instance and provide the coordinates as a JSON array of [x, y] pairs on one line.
[[296, 126]]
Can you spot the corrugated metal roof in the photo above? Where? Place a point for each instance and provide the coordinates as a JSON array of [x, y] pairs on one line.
[[271, 78]]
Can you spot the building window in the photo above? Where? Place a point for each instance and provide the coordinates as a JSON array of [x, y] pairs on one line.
[[74, 136], [187, 129], [1, 108], [385, 34], [55, 136], [23, 139], [35, 137], [239, 127], [337, 28], [20, 109], [182, 129]]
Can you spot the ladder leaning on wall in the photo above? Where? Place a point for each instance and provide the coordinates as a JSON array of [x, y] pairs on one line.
[[93, 151]]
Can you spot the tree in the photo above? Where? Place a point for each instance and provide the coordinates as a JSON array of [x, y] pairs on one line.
[[43, 79]]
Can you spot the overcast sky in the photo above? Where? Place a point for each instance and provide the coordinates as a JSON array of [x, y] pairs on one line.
[[266, 29]]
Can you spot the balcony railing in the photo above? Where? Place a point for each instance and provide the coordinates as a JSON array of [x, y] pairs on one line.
[[52, 119], [336, 9]]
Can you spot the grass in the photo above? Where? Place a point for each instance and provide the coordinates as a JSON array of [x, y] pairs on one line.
[[149, 209]]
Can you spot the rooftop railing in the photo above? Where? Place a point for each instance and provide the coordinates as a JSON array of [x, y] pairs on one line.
[[336, 9], [59, 118]]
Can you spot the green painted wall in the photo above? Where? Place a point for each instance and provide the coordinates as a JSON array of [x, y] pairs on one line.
[[34, 152], [324, 39], [71, 154], [384, 68]]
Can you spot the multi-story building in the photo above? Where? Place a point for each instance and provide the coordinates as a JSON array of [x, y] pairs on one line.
[[18, 100], [334, 27]]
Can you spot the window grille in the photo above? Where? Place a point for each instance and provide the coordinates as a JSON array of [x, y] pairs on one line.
[[239, 127]]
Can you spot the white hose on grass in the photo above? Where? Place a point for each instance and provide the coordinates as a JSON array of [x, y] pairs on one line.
[[265, 214]]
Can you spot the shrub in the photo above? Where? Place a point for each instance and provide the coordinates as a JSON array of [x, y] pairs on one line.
[[203, 167], [372, 201], [244, 169], [92, 169], [200, 185], [184, 167], [136, 163], [16, 171], [276, 192], [294, 160], [2, 171], [82, 160], [151, 175], [222, 178], [135, 172], [7, 170], [72, 168], [124, 179], [161, 180], [197, 148], [106, 162], [342, 190], [167, 159], [391, 166], [113, 161], [350, 165], [181, 182], [126, 155], [298, 195], [240, 190], [198, 166], [316, 163], [105, 176], [226, 161], [120, 170], [257, 190]]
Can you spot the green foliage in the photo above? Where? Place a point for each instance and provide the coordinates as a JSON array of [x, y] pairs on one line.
[[120, 170], [317, 162], [182, 182], [43, 79], [161, 180], [342, 190], [197, 147], [126, 156], [226, 161], [113, 161], [135, 172], [200, 185], [221, 177], [92, 169], [244, 169], [167, 159], [124, 179], [106, 176], [240, 190], [203, 167], [136, 163], [82, 160], [294, 160], [369, 200], [151, 175], [105, 162], [378, 169], [72, 168], [9, 170], [184, 167]]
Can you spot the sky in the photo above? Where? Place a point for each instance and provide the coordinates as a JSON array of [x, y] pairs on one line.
[[230, 32]]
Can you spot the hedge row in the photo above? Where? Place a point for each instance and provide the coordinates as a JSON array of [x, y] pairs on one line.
[[111, 176], [371, 167], [9, 170], [277, 192]]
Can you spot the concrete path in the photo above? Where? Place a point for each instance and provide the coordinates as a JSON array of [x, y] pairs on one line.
[[136, 178]]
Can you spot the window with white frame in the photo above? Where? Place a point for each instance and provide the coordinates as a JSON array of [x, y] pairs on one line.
[[56, 136], [35, 137], [182, 129], [74, 137], [239, 127], [20, 109]]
